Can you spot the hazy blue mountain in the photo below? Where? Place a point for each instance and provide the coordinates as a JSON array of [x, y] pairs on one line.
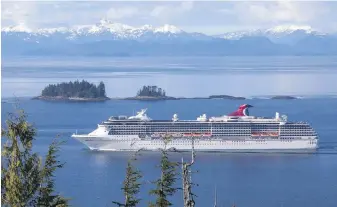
[[288, 34], [113, 39], [317, 45]]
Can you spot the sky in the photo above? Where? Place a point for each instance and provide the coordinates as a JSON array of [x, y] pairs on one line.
[[198, 16]]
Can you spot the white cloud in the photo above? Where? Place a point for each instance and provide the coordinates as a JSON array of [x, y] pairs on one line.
[[167, 12], [186, 6], [278, 12], [18, 12], [159, 10], [120, 13]]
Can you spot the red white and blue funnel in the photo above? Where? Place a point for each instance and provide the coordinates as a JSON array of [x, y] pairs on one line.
[[242, 111]]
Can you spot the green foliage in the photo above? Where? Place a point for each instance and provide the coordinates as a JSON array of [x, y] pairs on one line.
[[45, 195], [101, 90], [165, 184], [131, 186], [152, 91], [81, 89], [23, 178]]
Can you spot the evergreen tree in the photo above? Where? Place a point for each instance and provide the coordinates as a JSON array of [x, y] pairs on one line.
[[101, 90], [45, 194], [154, 91], [22, 178], [81, 89], [131, 186], [165, 184]]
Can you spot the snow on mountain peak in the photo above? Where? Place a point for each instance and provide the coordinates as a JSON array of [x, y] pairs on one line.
[[52, 30], [104, 25], [290, 29], [18, 28], [276, 31], [107, 25], [146, 27], [168, 29], [104, 21]]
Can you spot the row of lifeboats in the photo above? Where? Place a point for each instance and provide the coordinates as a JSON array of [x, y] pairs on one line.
[[182, 134], [265, 134], [194, 134]]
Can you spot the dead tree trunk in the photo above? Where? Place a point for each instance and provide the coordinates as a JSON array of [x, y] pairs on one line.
[[187, 180], [215, 198]]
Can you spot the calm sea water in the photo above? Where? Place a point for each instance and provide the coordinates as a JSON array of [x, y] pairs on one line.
[[252, 179], [179, 76]]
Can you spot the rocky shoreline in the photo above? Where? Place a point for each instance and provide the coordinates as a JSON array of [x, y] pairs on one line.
[[150, 98], [159, 98], [283, 97], [225, 97], [82, 91]]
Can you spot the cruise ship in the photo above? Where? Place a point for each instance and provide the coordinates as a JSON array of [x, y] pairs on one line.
[[237, 131]]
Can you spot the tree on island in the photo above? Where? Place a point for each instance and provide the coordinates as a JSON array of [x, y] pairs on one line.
[[78, 89], [152, 91], [101, 89], [25, 179]]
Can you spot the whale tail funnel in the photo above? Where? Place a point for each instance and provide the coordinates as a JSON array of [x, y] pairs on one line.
[[241, 111]]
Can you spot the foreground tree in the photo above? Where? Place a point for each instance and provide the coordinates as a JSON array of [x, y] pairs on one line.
[[165, 184], [46, 190], [131, 185], [24, 181]]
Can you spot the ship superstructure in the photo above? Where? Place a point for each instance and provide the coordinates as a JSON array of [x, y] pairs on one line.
[[237, 131]]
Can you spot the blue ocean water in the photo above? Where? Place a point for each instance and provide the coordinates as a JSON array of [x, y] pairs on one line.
[[179, 76], [244, 179]]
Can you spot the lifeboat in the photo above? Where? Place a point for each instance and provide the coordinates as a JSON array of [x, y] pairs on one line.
[[264, 134]]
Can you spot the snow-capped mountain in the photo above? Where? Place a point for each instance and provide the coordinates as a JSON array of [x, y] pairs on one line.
[[284, 34], [288, 29], [104, 30], [16, 28], [110, 39]]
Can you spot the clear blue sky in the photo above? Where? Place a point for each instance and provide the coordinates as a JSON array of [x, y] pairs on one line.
[[206, 17]]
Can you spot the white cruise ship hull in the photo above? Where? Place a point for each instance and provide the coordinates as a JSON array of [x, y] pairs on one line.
[[112, 143], [236, 132]]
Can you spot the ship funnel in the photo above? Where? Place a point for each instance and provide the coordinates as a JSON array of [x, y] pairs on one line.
[[242, 111]]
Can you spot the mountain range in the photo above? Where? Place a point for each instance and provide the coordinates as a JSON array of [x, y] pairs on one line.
[[107, 38]]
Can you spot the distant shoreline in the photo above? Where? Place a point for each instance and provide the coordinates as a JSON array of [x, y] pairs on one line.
[[152, 98], [74, 99], [225, 97], [8, 99], [149, 98]]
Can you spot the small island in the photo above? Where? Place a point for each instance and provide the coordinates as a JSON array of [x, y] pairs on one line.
[[283, 97], [154, 93], [226, 97], [148, 93], [74, 91]]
